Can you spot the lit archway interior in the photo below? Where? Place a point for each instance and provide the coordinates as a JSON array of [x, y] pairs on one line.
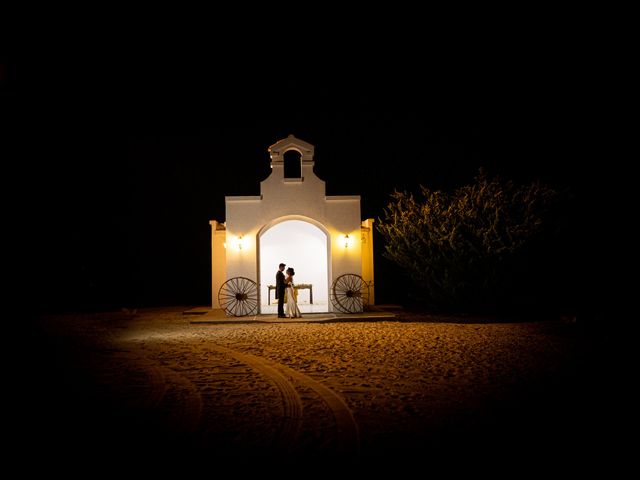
[[302, 246]]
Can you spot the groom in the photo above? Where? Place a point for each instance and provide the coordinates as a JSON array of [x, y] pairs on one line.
[[280, 286]]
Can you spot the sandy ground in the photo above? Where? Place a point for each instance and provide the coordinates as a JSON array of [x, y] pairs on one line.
[[153, 387]]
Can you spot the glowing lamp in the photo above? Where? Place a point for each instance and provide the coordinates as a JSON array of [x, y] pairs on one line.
[[346, 241]]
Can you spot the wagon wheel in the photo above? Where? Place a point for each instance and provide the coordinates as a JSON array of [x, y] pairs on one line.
[[350, 293], [238, 297]]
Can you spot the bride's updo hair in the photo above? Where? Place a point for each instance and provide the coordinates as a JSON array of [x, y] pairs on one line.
[[291, 271]]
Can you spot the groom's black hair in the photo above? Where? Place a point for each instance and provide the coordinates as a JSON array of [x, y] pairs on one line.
[[281, 265]]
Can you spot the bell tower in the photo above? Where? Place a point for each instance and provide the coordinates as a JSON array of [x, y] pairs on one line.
[[278, 149]]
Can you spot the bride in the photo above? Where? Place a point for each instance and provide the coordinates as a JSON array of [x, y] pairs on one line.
[[292, 310]]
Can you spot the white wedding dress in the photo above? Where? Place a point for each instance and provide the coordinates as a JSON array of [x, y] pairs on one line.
[[292, 310]]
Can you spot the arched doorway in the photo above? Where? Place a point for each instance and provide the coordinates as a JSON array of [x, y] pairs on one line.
[[302, 245]]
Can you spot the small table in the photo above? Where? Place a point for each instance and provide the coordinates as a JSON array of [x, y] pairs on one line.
[[301, 286]]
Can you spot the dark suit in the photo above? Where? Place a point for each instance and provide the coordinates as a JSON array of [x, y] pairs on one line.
[[280, 286]]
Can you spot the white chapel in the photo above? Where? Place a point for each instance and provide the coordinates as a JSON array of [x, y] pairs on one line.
[[294, 222]]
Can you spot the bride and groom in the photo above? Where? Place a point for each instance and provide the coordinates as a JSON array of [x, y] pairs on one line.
[[285, 284]]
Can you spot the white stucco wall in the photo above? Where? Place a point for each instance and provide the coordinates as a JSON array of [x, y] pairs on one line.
[[282, 199], [288, 199]]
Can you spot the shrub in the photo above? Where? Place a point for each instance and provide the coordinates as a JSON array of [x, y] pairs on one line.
[[471, 249]]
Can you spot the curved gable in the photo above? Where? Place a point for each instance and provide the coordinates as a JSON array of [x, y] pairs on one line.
[[278, 149]]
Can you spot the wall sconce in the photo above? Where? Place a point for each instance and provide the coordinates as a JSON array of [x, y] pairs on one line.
[[240, 242], [346, 241]]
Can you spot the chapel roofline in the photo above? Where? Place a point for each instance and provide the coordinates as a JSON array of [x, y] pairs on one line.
[[278, 149]]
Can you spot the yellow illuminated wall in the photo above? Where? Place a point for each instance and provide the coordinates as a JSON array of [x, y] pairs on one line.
[[218, 259], [366, 238]]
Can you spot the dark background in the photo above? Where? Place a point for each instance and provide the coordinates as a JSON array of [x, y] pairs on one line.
[[122, 159], [116, 155]]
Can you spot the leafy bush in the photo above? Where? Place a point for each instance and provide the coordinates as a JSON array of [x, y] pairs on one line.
[[472, 249]]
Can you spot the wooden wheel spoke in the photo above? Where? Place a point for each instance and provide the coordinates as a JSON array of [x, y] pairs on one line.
[[238, 297], [350, 293]]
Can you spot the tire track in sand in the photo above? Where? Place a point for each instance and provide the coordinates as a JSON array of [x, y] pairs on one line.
[[186, 405], [166, 391], [291, 402], [347, 438]]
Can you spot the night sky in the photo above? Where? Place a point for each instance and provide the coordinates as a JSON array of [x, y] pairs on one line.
[[117, 153], [124, 159]]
